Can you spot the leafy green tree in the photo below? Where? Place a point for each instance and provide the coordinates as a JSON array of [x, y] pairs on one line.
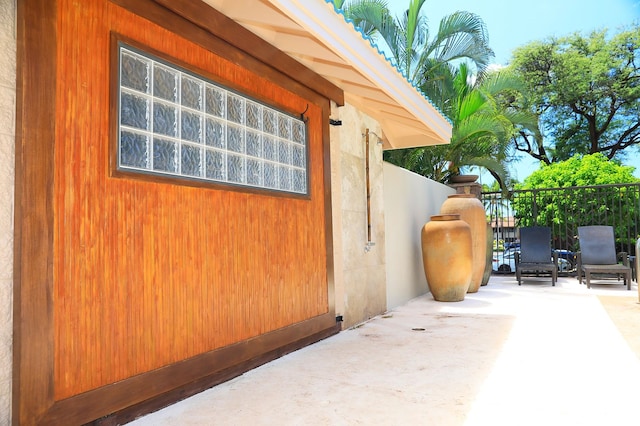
[[586, 91], [580, 170], [583, 204]]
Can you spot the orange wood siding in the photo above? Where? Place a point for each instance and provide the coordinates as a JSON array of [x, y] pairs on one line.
[[148, 273]]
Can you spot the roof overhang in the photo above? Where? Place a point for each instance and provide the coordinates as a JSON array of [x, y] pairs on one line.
[[312, 33]]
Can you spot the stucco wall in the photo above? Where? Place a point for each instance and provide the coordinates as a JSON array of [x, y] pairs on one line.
[[409, 201], [359, 266], [7, 142]]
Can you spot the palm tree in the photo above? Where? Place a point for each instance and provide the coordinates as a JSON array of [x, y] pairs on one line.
[[483, 125], [441, 67], [372, 17], [461, 36]]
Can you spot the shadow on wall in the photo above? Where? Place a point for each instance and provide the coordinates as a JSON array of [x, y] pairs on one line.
[[409, 201]]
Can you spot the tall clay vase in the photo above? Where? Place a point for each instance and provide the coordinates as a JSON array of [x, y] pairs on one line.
[[471, 211], [637, 260], [488, 267], [446, 254]]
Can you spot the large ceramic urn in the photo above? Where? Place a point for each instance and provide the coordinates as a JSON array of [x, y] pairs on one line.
[[446, 254], [471, 211], [637, 265], [488, 267]]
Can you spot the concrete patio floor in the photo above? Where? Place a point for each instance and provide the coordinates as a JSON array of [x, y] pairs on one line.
[[507, 355]]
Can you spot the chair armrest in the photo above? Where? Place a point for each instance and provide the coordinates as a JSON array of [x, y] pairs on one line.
[[555, 256], [624, 256], [578, 260], [516, 256]]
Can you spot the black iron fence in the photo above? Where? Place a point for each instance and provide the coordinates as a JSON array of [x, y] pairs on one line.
[[563, 210]]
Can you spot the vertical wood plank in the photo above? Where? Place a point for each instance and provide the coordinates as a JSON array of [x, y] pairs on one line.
[[33, 243]]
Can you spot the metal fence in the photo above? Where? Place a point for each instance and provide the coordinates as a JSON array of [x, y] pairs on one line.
[[563, 210]]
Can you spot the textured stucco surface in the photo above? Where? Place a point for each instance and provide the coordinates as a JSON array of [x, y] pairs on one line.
[[360, 267], [7, 143], [410, 201]]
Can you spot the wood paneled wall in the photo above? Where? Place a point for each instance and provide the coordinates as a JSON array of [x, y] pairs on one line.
[[150, 273], [147, 273]]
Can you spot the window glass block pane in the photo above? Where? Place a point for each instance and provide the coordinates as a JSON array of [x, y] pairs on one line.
[[269, 121], [191, 160], [134, 111], [284, 152], [235, 168], [191, 126], [134, 72], [215, 133], [254, 144], [235, 138], [270, 175], [298, 132], [215, 101], [235, 109], [191, 93], [298, 156], [299, 181], [164, 155], [165, 119], [215, 165], [254, 115], [165, 83], [174, 122], [270, 151], [134, 150], [284, 127], [254, 172], [284, 178]]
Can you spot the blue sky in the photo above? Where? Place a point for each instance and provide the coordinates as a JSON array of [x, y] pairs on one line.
[[513, 23]]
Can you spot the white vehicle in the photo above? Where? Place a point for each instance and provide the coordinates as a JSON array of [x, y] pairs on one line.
[[505, 262]]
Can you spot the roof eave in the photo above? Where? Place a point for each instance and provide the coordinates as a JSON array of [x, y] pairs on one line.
[[314, 34], [331, 28]]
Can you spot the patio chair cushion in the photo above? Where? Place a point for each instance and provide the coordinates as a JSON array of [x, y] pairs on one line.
[[597, 245], [535, 253], [535, 244], [598, 254]]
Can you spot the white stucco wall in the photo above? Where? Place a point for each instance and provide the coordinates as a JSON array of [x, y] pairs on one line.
[[409, 201], [359, 267], [7, 143]]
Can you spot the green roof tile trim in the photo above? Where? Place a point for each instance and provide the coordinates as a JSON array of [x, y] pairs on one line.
[[391, 61]]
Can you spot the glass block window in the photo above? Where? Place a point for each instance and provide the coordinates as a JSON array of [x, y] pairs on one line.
[[172, 122]]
